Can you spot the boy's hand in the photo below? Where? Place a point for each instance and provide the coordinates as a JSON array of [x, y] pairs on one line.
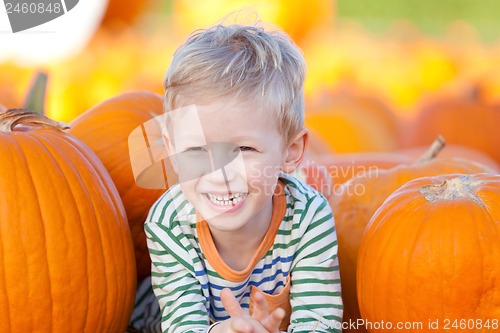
[[240, 322], [261, 313]]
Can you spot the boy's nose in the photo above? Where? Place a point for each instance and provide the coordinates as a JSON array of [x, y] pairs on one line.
[[220, 161], [226, 162], [222, 154]]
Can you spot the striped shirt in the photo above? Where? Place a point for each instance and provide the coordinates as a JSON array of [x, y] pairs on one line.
[[295, 266]]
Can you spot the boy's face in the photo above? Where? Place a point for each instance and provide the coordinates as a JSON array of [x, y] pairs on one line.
[[228, 157]]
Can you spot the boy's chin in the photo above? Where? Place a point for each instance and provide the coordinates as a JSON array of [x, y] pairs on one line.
[[225, 223], [217, 217]]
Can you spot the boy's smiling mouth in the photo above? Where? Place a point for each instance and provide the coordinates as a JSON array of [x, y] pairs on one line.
[[226, 199]]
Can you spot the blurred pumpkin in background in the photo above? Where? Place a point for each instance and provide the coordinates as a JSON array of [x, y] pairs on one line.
[[401, 68], [106, 68], [327, 172], [454, 150], [14, 82], [342, 167], [297, 18], [351, 123], [463, 119], [122, 14]]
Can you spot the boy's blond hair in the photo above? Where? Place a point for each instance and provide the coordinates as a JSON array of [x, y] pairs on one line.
[[245, 62]]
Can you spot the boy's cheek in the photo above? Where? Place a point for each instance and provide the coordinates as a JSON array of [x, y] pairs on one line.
[[263, 172], [189, 187], [191, 166], [263, 179]]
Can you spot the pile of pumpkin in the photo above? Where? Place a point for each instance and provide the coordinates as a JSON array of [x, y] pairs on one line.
[[419, 238], [418, 228]]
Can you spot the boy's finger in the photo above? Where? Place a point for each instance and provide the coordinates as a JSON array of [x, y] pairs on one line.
[[273, 321], [240, 325], [260, 307], [230, 303]]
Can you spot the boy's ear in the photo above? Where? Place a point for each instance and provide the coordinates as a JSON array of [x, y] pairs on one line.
[[295, 151]]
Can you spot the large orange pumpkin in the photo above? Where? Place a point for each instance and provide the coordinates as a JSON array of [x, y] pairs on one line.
[[356, 201], [66, 255], [431, 255], [105, 128]]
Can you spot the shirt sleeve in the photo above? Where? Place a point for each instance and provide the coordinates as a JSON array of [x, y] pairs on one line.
[[182, 303], [315, 294]]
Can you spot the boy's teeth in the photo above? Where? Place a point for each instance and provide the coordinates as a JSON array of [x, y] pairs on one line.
[[226, 200]]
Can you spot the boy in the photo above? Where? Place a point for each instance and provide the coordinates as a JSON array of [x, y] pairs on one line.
[[240, 245]]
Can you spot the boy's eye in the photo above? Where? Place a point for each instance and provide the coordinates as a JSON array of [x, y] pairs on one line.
[[200, 148], [246, 148]]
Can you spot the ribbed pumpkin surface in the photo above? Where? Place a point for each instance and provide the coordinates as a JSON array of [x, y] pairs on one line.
[[431, 253], [357, 200], [66, 254], [105, 128]]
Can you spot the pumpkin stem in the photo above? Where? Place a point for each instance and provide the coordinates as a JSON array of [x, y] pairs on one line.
[[35, 100], [433, 150], [12, 117], [451, 189]]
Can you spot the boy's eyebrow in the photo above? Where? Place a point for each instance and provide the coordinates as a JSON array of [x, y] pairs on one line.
[[192, 135], [198, 136], [247, 137]]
